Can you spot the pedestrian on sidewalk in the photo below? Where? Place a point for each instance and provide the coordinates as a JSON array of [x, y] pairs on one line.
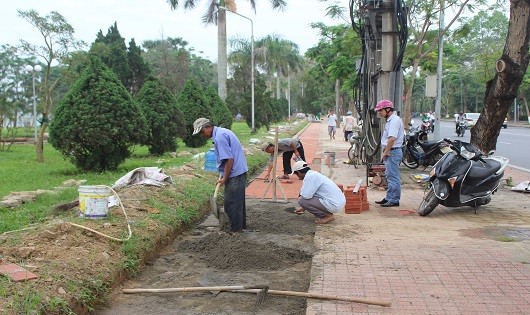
[[391, 141], [287, 148], [232, 166], [319, 195], [348, 125], [332, 124]]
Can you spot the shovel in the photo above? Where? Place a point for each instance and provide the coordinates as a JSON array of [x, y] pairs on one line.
[[213, 202]]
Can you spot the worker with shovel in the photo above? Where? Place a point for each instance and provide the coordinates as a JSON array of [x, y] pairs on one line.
[[232, 166], [318, 195]]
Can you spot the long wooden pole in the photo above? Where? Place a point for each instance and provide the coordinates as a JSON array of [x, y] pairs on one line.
[[321, 296], [247, 289]]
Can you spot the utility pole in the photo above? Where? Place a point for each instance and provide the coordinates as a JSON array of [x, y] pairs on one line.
[[438, 104]]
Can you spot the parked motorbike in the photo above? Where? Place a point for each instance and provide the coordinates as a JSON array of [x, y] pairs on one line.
[[421, 135], [463, 177], [461, 129], [418, 152]]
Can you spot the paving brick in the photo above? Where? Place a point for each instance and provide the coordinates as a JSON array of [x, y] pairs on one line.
[[16, 272]]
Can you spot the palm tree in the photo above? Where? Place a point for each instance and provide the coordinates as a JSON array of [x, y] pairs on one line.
[[279, 56], [216, 16]]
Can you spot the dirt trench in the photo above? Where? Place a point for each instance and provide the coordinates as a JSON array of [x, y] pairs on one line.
[[275, 250]]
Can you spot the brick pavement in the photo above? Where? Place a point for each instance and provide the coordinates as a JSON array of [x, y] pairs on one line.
[[451, 262]]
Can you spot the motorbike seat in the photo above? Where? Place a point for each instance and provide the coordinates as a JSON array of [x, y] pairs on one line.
[[484, 169], [427, 145]]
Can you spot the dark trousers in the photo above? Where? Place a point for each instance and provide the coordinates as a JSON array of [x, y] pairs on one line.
[[347, 134], [234, 202], [287, 159]]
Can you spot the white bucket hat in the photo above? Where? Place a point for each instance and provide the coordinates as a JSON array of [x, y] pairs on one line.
[[299, 165]]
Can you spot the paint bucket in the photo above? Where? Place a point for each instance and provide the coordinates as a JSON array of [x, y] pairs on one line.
[[94, 201]]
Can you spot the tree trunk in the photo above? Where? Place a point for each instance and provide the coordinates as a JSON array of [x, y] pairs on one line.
[[337, 98], [278, 82], [511, 68], [525, 102], [408, 97], [39, 145], [221, 54]]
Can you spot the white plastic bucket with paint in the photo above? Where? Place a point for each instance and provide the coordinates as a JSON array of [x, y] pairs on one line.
[[94, 201]]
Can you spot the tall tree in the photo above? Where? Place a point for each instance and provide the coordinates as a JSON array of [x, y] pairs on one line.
[[97, 122], [139, 68], [112, 50], [15, 88], [511, 69], [59, 41], [423, 16], [279, 57], [214, 15], [193, 102], [164, 119]]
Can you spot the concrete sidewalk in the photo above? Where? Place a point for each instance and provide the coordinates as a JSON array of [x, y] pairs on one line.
[[451, 262]]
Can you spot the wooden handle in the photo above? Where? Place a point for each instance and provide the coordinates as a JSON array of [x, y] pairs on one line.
[[258, 289], [322, 297], [216, 190], [217, 187], [254, 288]]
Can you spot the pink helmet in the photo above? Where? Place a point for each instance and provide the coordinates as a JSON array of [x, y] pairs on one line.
[[383, 104]]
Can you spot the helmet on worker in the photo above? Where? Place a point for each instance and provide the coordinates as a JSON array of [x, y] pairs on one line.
[[384, 104]]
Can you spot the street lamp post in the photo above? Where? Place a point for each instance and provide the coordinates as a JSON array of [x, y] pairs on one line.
[[33, 70], [251, 58]]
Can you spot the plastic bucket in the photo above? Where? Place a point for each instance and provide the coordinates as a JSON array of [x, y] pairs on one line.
[[94, 201]]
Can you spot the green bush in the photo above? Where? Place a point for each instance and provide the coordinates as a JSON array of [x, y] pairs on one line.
[[164, 119], [221, 115], [97, 121], [194, 104]]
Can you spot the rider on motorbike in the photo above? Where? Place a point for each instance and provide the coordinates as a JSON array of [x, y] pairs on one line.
[[461, 118]]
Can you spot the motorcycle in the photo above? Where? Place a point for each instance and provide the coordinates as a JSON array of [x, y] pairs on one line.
[[461, 129], [418, 151], [463, 177]]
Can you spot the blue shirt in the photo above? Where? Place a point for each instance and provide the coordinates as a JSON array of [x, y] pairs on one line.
[[327, 192], [227, 146], [393, 128]]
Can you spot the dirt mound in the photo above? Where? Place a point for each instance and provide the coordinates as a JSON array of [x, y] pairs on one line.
[[227, 251]]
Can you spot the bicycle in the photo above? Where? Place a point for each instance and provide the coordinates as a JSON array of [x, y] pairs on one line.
[[356, 151]]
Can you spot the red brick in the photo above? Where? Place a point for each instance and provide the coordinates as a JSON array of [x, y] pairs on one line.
[[16, 273]]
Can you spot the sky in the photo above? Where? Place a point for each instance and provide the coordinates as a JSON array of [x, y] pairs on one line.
[[153, 19]]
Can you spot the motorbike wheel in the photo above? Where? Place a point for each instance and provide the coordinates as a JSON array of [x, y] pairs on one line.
[[408, 159], [462, 131], [422, 136], [429, 202]]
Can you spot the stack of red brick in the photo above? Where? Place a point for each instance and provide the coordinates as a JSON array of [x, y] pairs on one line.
[[356, 202]]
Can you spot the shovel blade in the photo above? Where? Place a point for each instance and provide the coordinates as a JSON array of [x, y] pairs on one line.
[[213, 207]]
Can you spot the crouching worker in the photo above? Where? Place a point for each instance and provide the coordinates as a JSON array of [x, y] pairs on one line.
[[319, 195]]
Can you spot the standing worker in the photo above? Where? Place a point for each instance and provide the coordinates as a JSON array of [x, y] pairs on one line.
[[391, 142], [286, 147], [318, 195], [332, 124], [232, 166]]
